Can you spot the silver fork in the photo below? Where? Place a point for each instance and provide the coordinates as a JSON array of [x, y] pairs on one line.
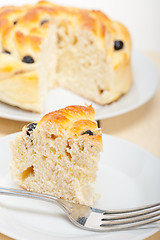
[[94, 219]]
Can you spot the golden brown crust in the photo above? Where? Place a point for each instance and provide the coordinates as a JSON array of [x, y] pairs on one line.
[[69, 114], [24, 26], [75, 120]]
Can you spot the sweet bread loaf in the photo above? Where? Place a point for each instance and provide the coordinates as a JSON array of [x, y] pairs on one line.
[[59, 155], [45, 45]]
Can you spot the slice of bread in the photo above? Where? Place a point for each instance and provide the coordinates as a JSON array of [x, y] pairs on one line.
[[59, 155]]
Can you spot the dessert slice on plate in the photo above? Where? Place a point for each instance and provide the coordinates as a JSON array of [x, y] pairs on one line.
[[59, 155]]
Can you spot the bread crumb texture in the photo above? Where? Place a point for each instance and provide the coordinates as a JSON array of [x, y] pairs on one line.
[[59, 155]]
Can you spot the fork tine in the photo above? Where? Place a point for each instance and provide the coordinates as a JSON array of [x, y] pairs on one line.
[[131, 209], [130, 220], [130, 214], [129, 225], [135, 217]]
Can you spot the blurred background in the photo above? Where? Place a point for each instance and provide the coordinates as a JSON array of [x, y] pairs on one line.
[[141, 17]]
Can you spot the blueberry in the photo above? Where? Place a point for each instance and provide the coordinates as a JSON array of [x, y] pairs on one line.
[[5, 51], [44, 21], [28, 59], [15, 22], [30, 128], [118, 45], [88, 132]]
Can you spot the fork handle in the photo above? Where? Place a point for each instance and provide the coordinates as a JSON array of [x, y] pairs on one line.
[[34, 195]]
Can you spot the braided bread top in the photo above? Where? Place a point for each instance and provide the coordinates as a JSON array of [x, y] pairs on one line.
[[72, 120], [22, 30]]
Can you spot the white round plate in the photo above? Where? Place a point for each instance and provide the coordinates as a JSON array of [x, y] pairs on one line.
[[128, 176], [143, 88]]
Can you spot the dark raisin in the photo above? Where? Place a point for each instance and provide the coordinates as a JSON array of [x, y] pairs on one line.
[[5, 51], [15, 22], [30, 128], [101, 91], [88, 132], [118, 45], [44, 21], [28, 59]]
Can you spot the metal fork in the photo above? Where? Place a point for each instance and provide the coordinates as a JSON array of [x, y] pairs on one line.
[[94, 219]]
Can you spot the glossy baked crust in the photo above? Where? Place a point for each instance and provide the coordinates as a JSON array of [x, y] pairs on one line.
[[73, 121]]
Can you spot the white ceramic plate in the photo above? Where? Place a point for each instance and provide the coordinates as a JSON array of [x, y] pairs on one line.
[[143, 88], [128, 176]]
